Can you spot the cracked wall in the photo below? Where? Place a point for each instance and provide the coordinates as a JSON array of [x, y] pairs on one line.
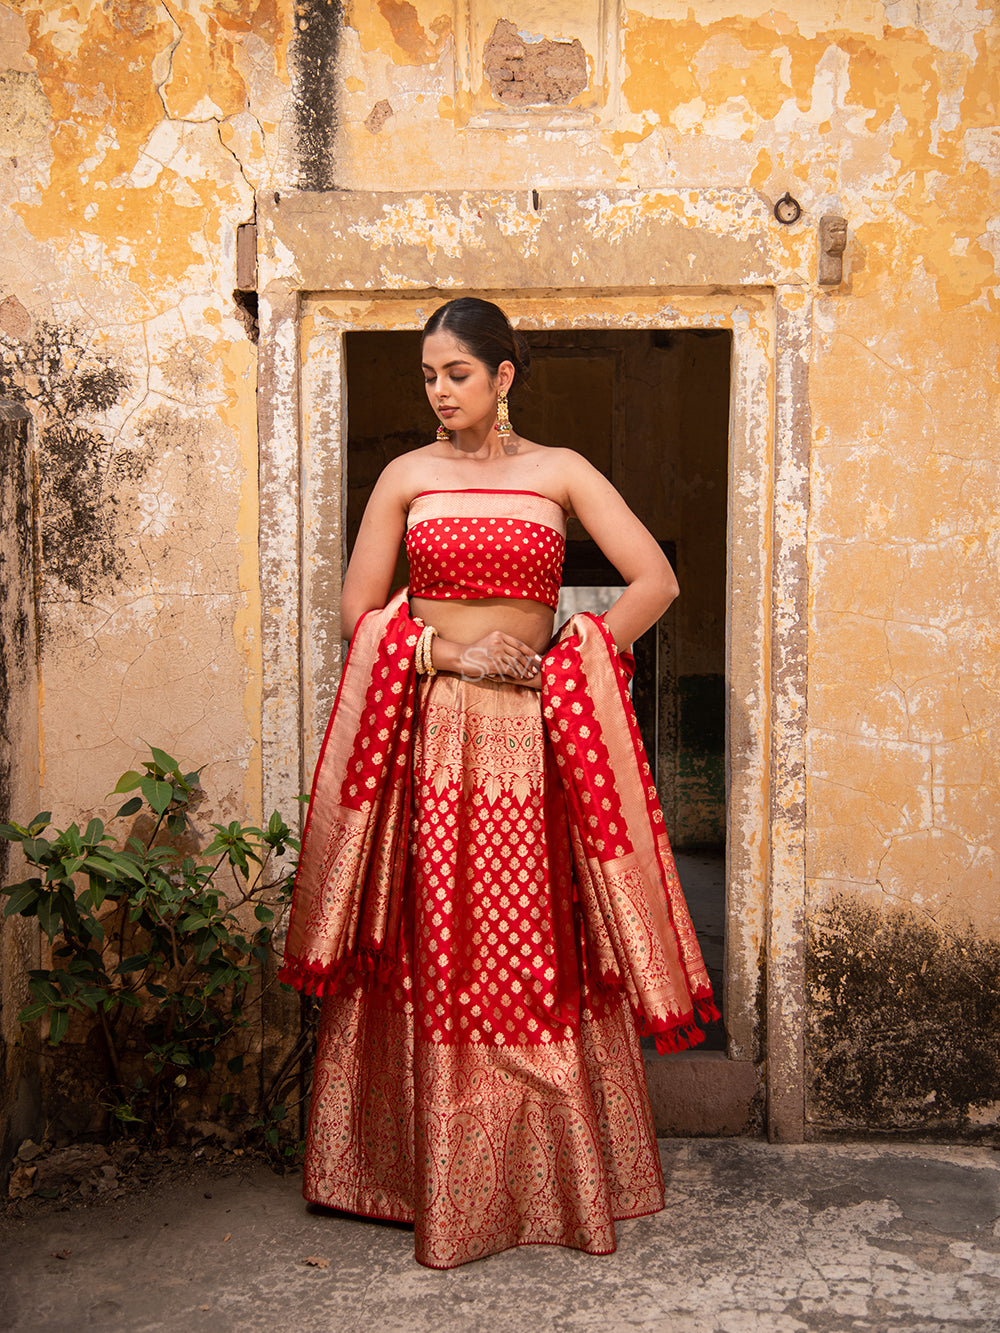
[[134, 138]]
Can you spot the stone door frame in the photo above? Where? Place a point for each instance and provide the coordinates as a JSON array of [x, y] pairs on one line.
[[331, 263]]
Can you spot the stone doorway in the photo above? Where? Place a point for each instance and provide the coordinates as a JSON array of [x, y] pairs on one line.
[[341, 264]]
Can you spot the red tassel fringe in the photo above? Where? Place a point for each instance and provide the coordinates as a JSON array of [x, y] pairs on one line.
[[323, 978], [320, 980], [684, 1035]]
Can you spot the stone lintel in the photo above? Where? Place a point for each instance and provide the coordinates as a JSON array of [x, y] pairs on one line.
[[502, 241]]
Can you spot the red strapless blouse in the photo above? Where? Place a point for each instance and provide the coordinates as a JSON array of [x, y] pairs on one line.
[[468, 545]]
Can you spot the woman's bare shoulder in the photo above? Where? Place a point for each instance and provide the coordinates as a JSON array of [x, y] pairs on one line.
[[561, 459], [561, 467], [406, 475]]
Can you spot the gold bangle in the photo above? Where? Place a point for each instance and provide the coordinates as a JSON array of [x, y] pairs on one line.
[[424, 660], [431, 669]]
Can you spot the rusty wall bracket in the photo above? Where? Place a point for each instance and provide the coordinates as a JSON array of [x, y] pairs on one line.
[[832, 244]]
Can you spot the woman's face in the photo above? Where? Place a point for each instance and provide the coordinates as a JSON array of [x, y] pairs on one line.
[[460, 388]]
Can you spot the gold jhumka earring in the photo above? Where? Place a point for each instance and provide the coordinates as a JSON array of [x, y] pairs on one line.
[[503, 418], [443, 433]]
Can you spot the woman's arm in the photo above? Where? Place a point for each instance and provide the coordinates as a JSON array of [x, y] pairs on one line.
[[630, 547], [368, 581]]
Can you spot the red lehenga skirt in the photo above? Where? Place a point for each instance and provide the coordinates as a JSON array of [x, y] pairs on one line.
[[484, 1087]]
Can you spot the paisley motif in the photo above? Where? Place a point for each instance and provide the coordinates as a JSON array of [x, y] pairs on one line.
[[579, 1162], [528, 1154], [381, 1131], [333, 1109], [472, 1171]]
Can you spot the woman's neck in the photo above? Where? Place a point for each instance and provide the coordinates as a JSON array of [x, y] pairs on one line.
[[483, 447]]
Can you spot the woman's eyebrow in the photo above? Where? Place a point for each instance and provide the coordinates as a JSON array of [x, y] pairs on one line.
[[447, 365]]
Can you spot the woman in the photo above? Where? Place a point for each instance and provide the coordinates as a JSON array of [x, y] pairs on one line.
[[486, 898]]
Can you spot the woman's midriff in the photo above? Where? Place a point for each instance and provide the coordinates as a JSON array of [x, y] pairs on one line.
[[469, 621]]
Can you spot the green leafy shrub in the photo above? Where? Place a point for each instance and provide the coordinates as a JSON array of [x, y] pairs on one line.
[[166, 947]]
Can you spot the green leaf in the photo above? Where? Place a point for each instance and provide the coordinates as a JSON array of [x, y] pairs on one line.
[[263, 913], [42, 987], [40, 822], [59, 1026], [49, 915], [70, 867], [134, 964], [131, 807], [158, 794], [94, 833], [91, 997], [165, 762], [33, 1011], [176, 823], [204, 946], [235, 1065], [238, 858], [37, 849], [127, 782], [111, 865], [193, 921], [22, 896], [126, 1115]]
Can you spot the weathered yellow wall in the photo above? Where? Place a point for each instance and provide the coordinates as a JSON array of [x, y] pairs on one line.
[[133, 137], [129, 138]]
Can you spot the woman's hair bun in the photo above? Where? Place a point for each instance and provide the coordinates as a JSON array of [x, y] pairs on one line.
[[484, 331]]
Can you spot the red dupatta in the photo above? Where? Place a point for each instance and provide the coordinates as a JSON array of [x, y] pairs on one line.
[[348, 889], [637, 926], [348, 893]]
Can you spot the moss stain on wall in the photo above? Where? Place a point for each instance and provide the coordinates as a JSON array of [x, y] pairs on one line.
[[74, 385], [904, 1031]]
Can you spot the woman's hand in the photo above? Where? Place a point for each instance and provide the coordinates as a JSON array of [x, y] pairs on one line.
[[496, 656]]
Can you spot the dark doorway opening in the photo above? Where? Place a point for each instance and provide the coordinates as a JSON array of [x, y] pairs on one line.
[[650, 409]]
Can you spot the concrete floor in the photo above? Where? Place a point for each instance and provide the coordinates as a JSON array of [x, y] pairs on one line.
[[755, 1238]]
